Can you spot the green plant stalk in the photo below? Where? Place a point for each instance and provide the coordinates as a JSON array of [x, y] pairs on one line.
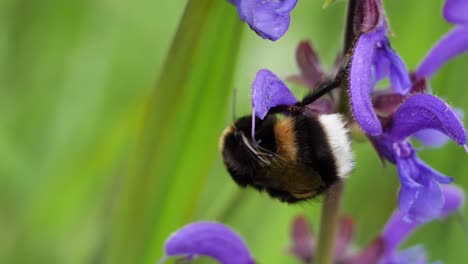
[[329, 218], [177, 141]]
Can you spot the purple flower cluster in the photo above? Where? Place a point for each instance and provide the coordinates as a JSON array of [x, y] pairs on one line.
[[391, 116], [383, 249], [221, 243]]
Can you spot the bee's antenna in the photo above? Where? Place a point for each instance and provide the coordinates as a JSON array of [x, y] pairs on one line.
[[233, 105]]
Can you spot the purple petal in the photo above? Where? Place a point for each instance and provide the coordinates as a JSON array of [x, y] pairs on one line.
[[388, 63], [209, 239], [455, 11], [420, 196], [309, 64], [362, 83], [384, 146], [413, 255], [451, 45], [424, 111], [454, 199], [268, 18], [397, 229], [269, 91], [303, 240], [433, 138]]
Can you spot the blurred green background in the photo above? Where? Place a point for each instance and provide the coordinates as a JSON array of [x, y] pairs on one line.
[[106, 148]]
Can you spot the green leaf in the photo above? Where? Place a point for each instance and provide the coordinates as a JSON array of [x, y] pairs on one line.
[[180, 130]]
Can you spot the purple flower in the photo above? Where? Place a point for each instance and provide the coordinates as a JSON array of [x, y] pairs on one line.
[[308, 62], [218, 241], [269, 91], [449, 46], [208, 239], [268, 18], [389, 117], [312, 74], [383, 249], [303, 244], [452, 44], [372, 61], [420, 197], [397, 230]]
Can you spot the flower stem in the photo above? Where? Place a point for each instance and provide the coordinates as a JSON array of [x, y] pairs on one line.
[[332, 198], [329, 224], [350, 29]]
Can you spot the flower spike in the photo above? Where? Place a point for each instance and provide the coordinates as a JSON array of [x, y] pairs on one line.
[[372, 61]]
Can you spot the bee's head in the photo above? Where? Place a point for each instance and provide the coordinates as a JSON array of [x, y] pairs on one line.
[[239, 149]]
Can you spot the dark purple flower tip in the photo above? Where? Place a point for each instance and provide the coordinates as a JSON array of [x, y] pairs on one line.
[[419, 85], [268, 18], [209, 239], [449, 46], [386, 102], [455, 11], [303, 246], [425, 111], [269, 91], [309, 64], [420, 197], [373, 15]]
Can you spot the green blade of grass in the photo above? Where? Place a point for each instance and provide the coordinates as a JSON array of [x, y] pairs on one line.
[[178, 134]]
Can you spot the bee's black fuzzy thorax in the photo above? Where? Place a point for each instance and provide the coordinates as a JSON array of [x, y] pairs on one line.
[[294, 158]]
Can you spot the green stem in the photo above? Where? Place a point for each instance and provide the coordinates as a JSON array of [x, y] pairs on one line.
[[329, 224]]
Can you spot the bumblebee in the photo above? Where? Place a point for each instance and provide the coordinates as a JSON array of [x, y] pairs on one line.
[[293, 154]]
